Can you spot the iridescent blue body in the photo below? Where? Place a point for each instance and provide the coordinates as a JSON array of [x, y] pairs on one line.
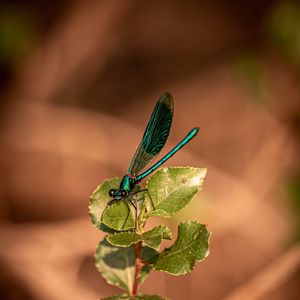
[[154, 138], [126, 186]]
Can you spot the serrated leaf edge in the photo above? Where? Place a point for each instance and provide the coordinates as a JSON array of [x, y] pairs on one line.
[[165, 169], [140, 239], [93, 220], [196, 260], [111, 282], [119, 233]]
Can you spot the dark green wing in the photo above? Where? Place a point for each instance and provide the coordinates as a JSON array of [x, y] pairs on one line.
[[155, 135]]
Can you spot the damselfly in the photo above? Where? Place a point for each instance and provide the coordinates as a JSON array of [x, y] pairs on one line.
[[154, 139]]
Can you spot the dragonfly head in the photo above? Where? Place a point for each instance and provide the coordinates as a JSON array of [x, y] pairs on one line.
[[117, 194]]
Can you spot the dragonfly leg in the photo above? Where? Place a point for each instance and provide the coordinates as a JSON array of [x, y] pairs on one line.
[[116, 200], [112, 201], [109, 203], [136, 212], [151, 200], [145, 190], [135, 205], [140, 191], [128, 209]]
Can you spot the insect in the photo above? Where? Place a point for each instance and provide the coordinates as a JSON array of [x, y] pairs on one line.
[[154, 139]]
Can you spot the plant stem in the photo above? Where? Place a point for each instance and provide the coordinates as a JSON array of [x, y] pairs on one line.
[[138, 267]]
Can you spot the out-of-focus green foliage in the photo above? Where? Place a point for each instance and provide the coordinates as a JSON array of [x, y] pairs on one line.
[[280, 33], [248, 65], [17, 35], [283, 30]]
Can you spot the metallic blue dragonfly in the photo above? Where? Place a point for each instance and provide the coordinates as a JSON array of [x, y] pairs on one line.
[[154, 139]]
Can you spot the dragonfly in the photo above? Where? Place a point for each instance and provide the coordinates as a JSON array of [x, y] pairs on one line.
[[152, 142]]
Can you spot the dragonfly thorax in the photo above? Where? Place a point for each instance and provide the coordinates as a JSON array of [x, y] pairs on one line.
[[128, 183]]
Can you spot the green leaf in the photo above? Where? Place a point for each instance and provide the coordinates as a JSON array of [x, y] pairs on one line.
[[145, 207], [106, 229], [154, 237], [100, 198], [149, 255], [117, 265], [123, 239], [116, 216], [151, 238], [192, 245], [171, 189], [138, 297]]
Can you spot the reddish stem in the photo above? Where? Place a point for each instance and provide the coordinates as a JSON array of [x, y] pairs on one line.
[[138, 268]]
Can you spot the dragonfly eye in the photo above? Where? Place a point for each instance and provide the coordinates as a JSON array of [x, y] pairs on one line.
[[123, 193], [112, 192]]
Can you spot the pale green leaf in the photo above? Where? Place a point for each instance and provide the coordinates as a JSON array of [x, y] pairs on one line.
[[123, 239], [117, 264], [100, 198], [151, 238], [171, 189], [117, 215], [154, 237], [192, 245]]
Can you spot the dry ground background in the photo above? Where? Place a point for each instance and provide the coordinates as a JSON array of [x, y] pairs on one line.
[[78, 82]]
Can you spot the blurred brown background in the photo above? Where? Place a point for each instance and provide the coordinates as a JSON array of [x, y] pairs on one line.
[[78, 82]]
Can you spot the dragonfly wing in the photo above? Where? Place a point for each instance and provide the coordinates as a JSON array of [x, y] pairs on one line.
[[155, 135]]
